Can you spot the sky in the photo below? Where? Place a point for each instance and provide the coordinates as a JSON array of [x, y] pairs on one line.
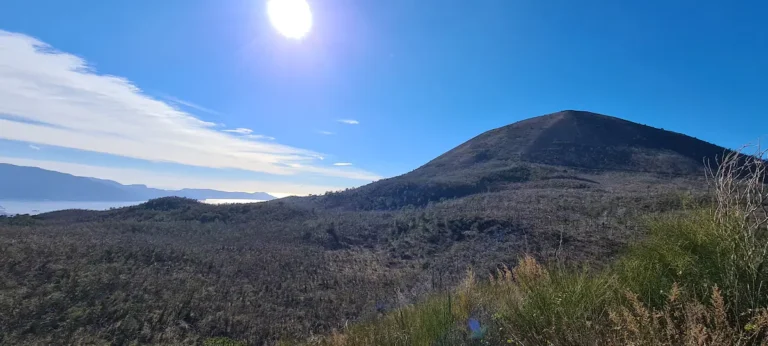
[[208, 94]]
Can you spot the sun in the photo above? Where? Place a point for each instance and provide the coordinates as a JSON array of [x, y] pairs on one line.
[[292, 18]]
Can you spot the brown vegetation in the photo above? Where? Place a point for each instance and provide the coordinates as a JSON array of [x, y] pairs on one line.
[[176, 271], [697, 279]]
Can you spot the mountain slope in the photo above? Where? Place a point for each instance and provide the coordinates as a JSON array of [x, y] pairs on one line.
[[215, 194], [564, 146], [581, 140], [32, 183]]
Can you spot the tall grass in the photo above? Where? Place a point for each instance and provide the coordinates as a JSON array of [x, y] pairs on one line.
[[533, 305], [725, 246], [430, 323], [698, 278]]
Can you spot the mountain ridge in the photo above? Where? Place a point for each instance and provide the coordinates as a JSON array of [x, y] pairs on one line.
[[33, 183]]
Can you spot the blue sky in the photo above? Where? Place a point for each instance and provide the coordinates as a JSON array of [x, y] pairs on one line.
[[143, 91]]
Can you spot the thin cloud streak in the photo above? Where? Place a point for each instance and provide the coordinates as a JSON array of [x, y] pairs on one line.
[[56, 99], [342, 164], [240, 130], [349, 121], [34, 147], [269, 138], [190, 104], [326, 133]]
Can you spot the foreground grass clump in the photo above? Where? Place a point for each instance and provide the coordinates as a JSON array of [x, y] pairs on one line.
[[699, 278], [531, 305]]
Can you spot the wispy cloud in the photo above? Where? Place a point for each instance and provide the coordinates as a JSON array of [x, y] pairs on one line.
[[342, 164], [54, 98], [248, 133], [189, 104], [269, 138], [240, 130], [349, 121], [327, 133], [34, 147]]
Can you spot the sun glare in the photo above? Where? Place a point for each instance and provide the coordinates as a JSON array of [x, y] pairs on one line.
[[292, 18]]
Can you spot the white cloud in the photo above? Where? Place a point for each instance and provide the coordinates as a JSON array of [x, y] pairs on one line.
[[327, 133], [34, 147], [171, 181], [240, 130], [189, 104], [54, 98], [269, 138], [342, 164], [349, 121]]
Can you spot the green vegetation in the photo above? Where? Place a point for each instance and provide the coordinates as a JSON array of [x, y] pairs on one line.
[[703, 304], [698, 278]]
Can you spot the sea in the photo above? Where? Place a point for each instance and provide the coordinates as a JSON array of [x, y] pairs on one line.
[[10, 207]]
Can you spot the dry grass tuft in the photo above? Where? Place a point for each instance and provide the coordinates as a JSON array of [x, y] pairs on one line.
[[688, 323], [528, 271]]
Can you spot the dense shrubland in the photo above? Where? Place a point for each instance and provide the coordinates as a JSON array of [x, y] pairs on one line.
[[176, 271], [699, 277]]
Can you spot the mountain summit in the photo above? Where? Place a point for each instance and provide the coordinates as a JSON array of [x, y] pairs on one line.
[[580, 139], [566, 146]]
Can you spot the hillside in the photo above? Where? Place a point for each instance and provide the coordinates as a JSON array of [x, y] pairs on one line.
[[575, 148], [36, 184], [695, 278], [570, 186], [577, 139]]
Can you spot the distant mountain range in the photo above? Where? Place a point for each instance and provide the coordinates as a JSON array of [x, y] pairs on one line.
[[32, 183]]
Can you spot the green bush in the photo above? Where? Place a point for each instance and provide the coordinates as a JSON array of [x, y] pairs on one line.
[[556, 306], [697, 253]]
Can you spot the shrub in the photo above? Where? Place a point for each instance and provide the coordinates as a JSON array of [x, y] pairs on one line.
[[699, 278], [222, 341], [540, 306], [725, 246]]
